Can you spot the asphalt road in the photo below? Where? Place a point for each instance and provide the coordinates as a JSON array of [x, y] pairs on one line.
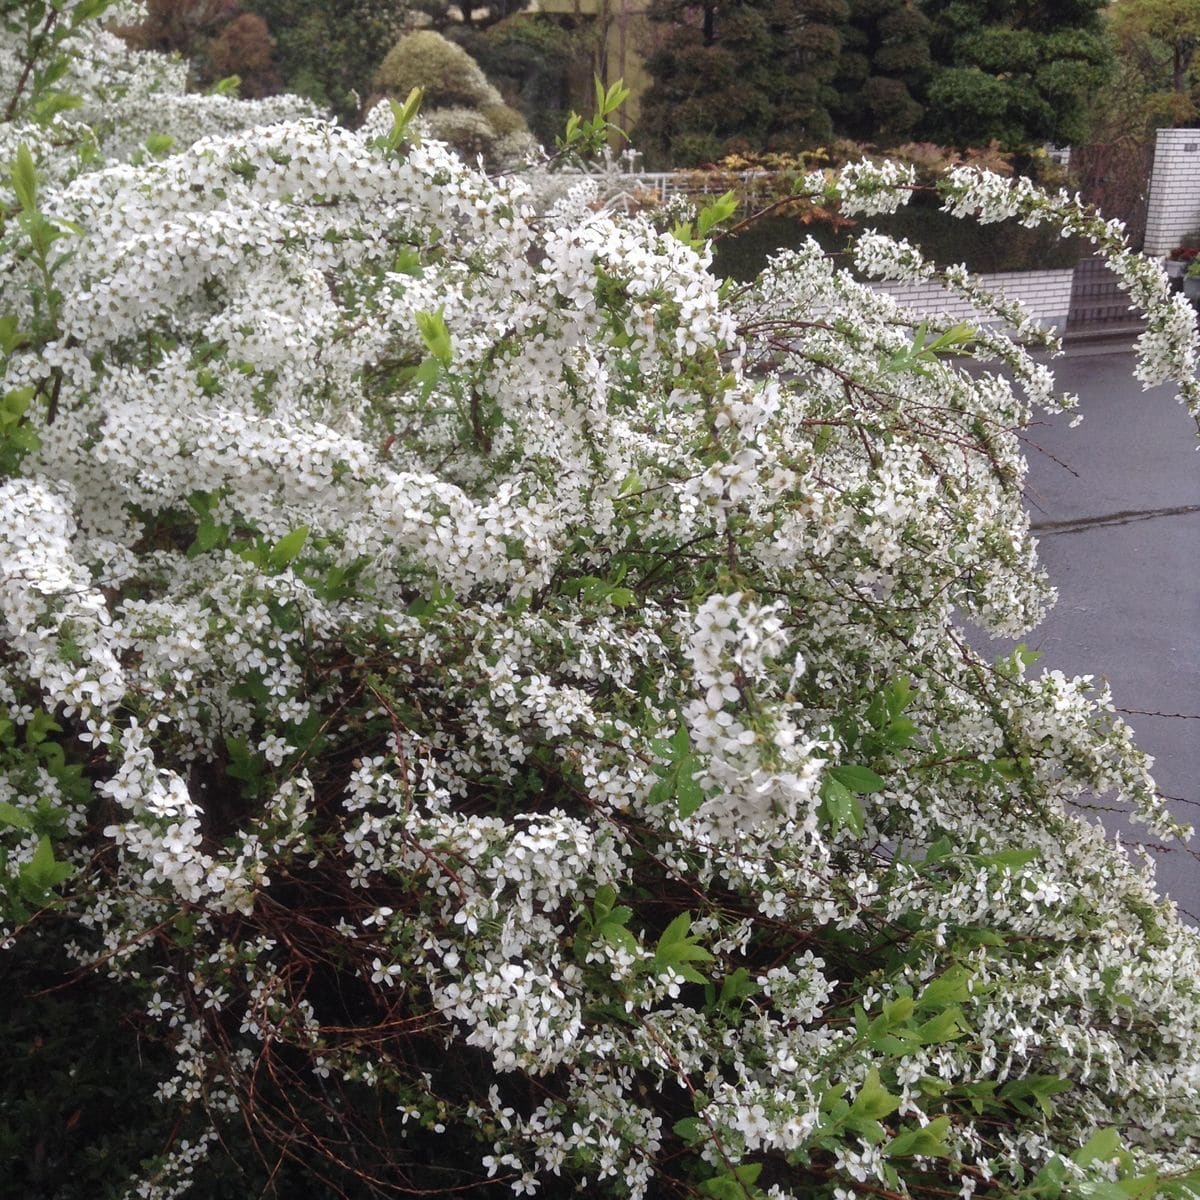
[[1118, 522]]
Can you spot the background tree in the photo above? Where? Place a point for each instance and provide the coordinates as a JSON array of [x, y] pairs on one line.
[[883, 70], [217, 38], [245, 48], [1157, 42], [532, 59], [327, 50], [1020, 73], [179, 26], [752, 75]]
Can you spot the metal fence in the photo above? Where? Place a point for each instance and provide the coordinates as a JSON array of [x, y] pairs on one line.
[[1097, 302]]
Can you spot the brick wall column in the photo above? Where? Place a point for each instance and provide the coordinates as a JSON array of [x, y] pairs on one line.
[[1174, 205]]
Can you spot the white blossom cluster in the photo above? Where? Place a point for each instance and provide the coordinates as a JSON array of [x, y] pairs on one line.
[[521, 679]]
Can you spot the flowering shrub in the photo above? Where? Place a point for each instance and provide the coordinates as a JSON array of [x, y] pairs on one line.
[[494, 697]]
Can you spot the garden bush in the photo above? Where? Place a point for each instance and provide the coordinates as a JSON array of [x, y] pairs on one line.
[[461, 106], [491, 701], [446, 73]]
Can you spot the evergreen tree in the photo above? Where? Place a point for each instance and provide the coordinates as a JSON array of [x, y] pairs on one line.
[[883, 69], [216, 37], [752, 75], [532, 58], [1167, 32], [1015, 71], [328, 50]]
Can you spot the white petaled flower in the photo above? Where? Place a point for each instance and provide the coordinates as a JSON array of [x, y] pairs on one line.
[[385, 973]]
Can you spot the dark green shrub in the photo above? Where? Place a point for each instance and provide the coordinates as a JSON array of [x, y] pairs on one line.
[[447, 74], [460, 105]]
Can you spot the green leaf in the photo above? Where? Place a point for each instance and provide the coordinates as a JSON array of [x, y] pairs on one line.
[[947, 1026], [1142, 1187], [208, 535], [896, 1012], [15, 405], [681, 741], [721, 209], [842, 808], [403, 116], [1103, 1145], [1012, 860], [735, 1184], [160, 144], [896, 696], [662, 791], [921, 1140], [427, 375], [981, 1095], [953, 986], [42, 872], [10, 814], [1048, 1181], [1036, 1088], [88, 10], [610, 99], [735, 987], [823, 439], [10, 334], [1181, 1187], [40, 727], [48, 106], [1098, 1189], [677, 949], [288, 547], [857, 779], [938, 850], [407, 262], [676, 932], [24, 179], [435, 335], [42, 863], [243, 765], [617, 935], [956, 336], [689, 795], [606, 897], [681, 231], [874, 1101], [618, 93]]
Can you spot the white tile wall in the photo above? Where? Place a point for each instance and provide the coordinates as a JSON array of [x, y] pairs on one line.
[[1174, 205], [1047, 294]]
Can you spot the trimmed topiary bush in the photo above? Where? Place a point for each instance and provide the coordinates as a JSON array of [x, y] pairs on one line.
[[461, 107], [446, 73]]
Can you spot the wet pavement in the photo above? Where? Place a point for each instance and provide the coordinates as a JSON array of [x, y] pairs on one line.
[[1115, 505]]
